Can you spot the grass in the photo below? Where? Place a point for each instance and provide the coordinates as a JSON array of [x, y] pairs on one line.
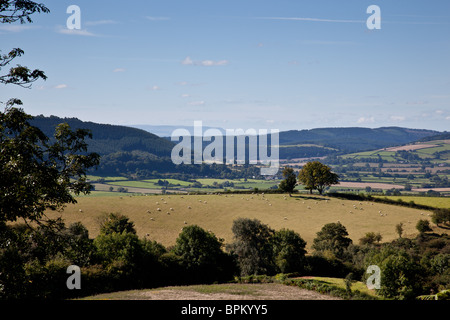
[[304, 214], [340, 283], [437, 202]]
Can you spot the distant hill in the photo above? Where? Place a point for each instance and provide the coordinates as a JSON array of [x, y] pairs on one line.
[[134, 151], [110, 138], [442, 136], [355, 139]]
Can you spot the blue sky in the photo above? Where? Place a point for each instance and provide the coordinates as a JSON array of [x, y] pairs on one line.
[[239, 64]]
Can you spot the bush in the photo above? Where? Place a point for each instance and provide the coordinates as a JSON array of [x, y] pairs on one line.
[[423, 226]]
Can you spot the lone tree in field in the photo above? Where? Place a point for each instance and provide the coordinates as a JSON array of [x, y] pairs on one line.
[[317, 176], [289, 182]]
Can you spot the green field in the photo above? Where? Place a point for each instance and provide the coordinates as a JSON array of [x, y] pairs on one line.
[[437, 202], [302, 213], [425, 153]]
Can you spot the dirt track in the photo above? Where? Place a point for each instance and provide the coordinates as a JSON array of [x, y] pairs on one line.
[[221, 292]]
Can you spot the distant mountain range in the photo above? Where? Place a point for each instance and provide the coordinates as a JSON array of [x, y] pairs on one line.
[[136, 149]]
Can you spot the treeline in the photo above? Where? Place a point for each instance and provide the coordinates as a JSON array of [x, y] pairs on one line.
[[34, 262], [143, 165]]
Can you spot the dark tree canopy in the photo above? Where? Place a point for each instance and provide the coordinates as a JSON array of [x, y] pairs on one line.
[[36, 174], [252, 246], [289, 182]]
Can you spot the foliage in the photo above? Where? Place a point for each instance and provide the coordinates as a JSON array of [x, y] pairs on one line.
[[333, 238], [201, 254], [252, 246], [289, 182], [370, 238], [423, 226], [401, 277], [36, 175], [116, 223], [289, 251], [316, 176], [441, 216]]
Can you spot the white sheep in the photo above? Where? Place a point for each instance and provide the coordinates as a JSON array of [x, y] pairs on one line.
[[158, 209]]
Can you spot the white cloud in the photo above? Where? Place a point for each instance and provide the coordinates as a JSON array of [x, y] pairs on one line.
[[157, 18], [366, 120], [196, 103], [100, 22], [447, 118], [312, 19], [187, 61], [61, 86], [397, 118], [185, 95], [119, 70], [76, 32], [204, 63], [155, 88], [16, 27]]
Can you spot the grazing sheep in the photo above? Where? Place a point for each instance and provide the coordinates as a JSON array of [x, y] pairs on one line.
[[158, 209], [171, 209], [185, 222], [189, 207], [152, 219], [80, 210]]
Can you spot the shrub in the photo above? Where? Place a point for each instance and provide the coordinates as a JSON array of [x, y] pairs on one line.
[[423, 226]]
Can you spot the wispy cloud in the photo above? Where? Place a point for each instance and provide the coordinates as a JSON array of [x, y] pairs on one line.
[[197, 103], [76, 32], [157, 18], [17, 28], [100, 22], [61, 86], [326, 42], [397, 118], [119, 70], [204, 63], [311, 19], [366, 120]]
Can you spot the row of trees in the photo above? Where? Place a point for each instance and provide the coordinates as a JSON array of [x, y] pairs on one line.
[[313, 176], [33, 262]]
